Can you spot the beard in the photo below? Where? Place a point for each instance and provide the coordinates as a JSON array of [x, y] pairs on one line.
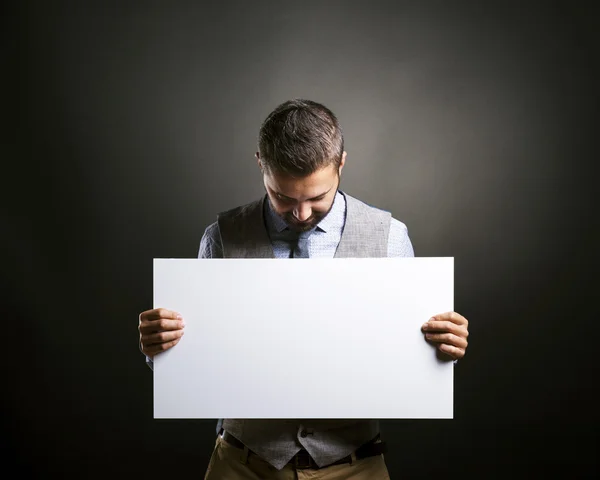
[[307, 225]]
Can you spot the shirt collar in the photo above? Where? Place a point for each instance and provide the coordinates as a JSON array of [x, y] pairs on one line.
[[335, 217]]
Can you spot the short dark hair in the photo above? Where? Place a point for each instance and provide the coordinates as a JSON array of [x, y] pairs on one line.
[[300, 137]]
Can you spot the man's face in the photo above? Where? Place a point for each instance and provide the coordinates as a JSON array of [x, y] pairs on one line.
[[302, 202]]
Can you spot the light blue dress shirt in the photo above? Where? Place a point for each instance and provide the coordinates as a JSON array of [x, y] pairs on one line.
[[322, 242]]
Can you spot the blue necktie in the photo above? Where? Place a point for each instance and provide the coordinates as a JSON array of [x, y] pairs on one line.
[[301, 250]]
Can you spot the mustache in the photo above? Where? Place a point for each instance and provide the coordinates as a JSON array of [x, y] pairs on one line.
[[304, 222]]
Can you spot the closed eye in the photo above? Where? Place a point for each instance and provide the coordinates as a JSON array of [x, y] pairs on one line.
[[285, 199], [292, 200]]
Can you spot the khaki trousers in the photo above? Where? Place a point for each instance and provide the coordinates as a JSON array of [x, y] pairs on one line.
[[231, 463]]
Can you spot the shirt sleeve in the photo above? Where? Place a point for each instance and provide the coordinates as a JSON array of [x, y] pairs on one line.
[[212, 247], [149, 361], [210, 244], [399, 244]]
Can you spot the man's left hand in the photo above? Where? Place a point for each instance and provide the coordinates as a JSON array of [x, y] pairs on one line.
[[450, 331]]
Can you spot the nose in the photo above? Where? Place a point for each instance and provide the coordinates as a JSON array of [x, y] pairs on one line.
[[302, 212]]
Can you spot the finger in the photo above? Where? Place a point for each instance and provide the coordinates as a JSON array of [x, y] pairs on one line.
[[447, 338], [162, 337], [444, 326], [158, 313], [152, 350], [452, 351], [161, 325], [450, 317]]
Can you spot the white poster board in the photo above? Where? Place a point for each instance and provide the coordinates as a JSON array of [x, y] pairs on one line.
[[304, 338]]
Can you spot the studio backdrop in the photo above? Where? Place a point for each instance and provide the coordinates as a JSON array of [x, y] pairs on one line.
[[136, 123]]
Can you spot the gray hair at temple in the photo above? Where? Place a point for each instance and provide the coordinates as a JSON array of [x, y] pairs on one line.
[[300, 137]]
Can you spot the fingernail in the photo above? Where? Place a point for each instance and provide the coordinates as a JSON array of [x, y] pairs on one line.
[[432, 319], [425, 325], [182, 324], [428, 335], [179, 317]]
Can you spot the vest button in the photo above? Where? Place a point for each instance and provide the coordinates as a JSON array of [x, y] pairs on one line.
[[303, 433]]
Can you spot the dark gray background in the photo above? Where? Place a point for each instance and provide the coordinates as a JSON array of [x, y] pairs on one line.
[[129, 126]]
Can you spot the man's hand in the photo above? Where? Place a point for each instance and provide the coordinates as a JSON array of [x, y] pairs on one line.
[[160, 329], [450, 331]]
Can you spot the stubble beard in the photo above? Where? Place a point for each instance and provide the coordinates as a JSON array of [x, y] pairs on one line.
[[291, 221]]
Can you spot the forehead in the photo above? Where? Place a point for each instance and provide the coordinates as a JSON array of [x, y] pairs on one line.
[[301, 188]]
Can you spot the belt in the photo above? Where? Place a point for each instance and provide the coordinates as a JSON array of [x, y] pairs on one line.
[[303, 459]]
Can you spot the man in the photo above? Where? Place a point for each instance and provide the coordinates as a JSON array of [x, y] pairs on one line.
[[303, 214]]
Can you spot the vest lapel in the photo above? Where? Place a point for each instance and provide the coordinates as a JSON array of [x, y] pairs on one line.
[[365, 232], [243, 232]]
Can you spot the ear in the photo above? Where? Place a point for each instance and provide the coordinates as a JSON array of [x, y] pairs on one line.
[[342, 163], [260, 165]]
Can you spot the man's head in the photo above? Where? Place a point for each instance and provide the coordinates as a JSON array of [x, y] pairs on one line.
[[301, 154]]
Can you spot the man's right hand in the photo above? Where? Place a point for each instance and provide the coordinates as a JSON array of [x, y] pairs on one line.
[[160, 329]]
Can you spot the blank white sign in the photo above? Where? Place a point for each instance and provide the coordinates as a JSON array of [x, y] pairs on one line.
[[304, 338]]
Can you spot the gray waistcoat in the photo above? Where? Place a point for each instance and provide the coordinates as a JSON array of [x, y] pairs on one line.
[[244, 235]]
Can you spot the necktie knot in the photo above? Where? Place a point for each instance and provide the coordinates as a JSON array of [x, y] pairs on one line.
[[301, 249]]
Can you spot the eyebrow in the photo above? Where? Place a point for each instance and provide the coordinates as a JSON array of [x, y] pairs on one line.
[[313, 198]]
